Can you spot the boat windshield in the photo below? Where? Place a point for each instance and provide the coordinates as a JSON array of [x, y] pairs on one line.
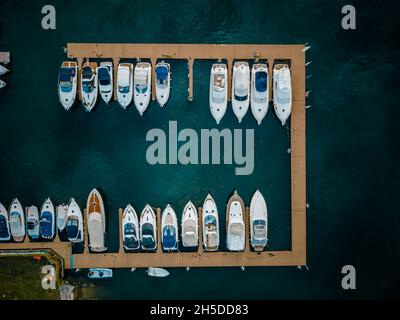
[[129, 229], [240, 97], [210, 222], [131, 242], [31, 224], [148, 235], [104, 76], [261, 81], [88, 87], [141, 82], [123, 89], [260, 229], [141, 88]]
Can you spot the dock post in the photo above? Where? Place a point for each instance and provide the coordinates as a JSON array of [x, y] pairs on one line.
[[159, 231], [80, 62], [190, 76], [270, 71], [121, 240], [86, 236], [247, 228], [200, 215], [230, 61], [115, 66], [153, 78]]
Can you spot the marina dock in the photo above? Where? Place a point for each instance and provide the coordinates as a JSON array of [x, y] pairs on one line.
[[296, 255], [4, 57]]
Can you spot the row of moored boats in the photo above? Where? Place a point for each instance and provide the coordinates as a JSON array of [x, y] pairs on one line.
[[140, 232], [134, 83]]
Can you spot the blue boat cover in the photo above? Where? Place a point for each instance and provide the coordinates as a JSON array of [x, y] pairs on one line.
[[3, 228], [162, 72], [103, 74], [261, 81], [129, 229], [169, 237], [65, 74], [46, 223]]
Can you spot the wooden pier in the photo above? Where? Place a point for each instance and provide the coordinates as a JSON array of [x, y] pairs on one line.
[[4, 57], [296, 256]]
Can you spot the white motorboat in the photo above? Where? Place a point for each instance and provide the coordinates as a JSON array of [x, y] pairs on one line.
[[218, 90], [33, 222], [282, 96], [259, 91], [142, 85], [240, 89], [157, 272], [210, 224], [96, 222], [2, 84], [258, 222], [67, 83], [148, 229], [62, 210], [5, 234], [163, 82], [130, 229], [47, 222], [17, 221], [100, 273], [190, 226], [169, 228], [89, 85], [235, 234], [105, 72], [74, 226], [3, 70], [125, 84]]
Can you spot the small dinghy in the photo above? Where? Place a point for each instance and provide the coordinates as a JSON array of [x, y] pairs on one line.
[[282, 86], [259, 91], [89, 85], [235, 234], [157, 272], [240, 89], [148, 229], [142, 85], [96, 222], [258, 222], [74, 222], [100, 273], [163, 82], [105, 72], [210, 224], [5, 234], [47, 221], [190, 226], [169, 227], [218, 90], [2, 84], [62, 216], [17, 221], [32, 222], [125, 84], [67, 83], [130, 229], [3, 70]]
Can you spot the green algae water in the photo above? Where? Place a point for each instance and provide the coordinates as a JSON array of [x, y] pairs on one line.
[[352, 138]]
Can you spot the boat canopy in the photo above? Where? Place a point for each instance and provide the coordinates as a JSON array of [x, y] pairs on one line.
[[261, 81], [131, 242], [65, 74], [4, 233], [95, 228], [104, 76], [148, 236], [46, 223], [162, 74], [190, 232], [72, 228], [259, 228], [210, 220], [169, 237]]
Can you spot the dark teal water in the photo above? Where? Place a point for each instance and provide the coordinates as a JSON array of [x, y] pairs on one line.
[[352, 142]]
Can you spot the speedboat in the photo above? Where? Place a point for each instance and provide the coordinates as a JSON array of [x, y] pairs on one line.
[[100, 273], [148, 229], [130, 229], [32, 222], [282, 92], [218, 90], [163, 82], [89, 85], [157, 272], [67, 83], [190, 226], [62, 210], [235, 211], [258, 222], [105, 72], [124, 84], [3, 70], [17, 221], [5, 234], [47, 222], [142, 84], [2, 84], [259, 91], [74, 226], [210, 224], [240, 89], [96, 222], [169, 227]]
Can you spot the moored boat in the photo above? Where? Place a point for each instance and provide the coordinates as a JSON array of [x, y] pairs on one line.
[[163, 82], [5, 234], [89, 85], [258, 222], [190, 226], [105, 72], [2, 84], [3, 70], [240, 89], [235, 228], [218, 90], [130, 229], [282, 94], [169, 228], [210, 224], [157, 272], [259, 91], [142, 86], [148, 229], [125, 84], [62, 210], [17, 221], [33, 222], [100, 273], [67, 83], [47, 223], [96, 221], [74, 226]]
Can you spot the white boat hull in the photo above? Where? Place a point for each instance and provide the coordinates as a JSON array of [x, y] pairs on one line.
[[47, 207], [74, 213], [169, 219], [148, 217], [125, 84], [32, 218], [142, 91], [6, 234], [163, 91], [259, 100], [106, 91], [190, 226], [130, 217], [218, 92], [281, 81], [67, 99], [240, 89], [96, 220], [258, 217], [17, 221], [210, 235]]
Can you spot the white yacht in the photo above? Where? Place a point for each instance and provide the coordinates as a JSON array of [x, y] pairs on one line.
[[67, 83], [235, 228], [142, 85], [163, 82], [96, 222], [74, 226], [62, 210], [210, 224], [89, 85], [190, 226], [282, 96], [2, 84], [259, 91], [5, 234], [47, 222], [169, 228], [105, 72], [3, 70], [157, 272], [33, 222], [218, 90], [130, 229], [240, 89], [17, 221], [148, 229], [258, 222], [124, 84]]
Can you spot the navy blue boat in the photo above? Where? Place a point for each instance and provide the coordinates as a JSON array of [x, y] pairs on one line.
[[5, 234], [47, 220]]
